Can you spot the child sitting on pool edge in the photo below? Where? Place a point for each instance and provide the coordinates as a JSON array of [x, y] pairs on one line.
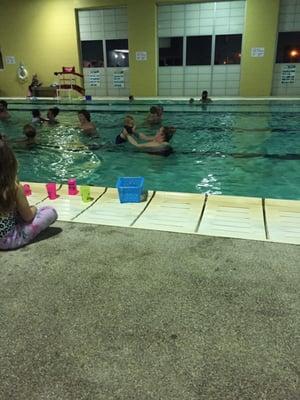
[[20, 223], [128, 129]]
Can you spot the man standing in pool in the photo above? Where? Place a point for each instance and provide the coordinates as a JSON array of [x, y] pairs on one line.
[[204, 97]]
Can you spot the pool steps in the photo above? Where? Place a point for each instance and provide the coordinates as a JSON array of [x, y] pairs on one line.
[[214, 215]]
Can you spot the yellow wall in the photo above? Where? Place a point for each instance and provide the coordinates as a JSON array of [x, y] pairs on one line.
[[142, 37], [260, 31], [42, 34]]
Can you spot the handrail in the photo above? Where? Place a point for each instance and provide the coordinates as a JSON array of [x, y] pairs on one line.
[[68, 73]]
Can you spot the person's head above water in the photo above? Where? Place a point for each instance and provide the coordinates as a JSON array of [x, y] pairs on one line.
[[36, 113], [204, 95], [165, 134], [84, 116], [154, 110], [29, 131], [53, 113], [129, 120], [131, 98], [3, 105]]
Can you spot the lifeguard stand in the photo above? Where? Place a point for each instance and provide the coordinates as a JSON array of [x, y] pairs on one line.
[[67, 82]]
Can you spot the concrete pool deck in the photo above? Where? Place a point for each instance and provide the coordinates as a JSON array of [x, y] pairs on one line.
[[227, 216], [106, 313]]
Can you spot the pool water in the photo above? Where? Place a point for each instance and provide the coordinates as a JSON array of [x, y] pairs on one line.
[[247, 148]]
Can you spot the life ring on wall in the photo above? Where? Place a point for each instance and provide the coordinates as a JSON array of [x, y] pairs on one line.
[[22, 73]]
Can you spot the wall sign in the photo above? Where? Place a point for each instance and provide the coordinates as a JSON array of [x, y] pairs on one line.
[[94, 78], [141, 56], [288, 73], [10, 59], [118, 80], [257, 52]]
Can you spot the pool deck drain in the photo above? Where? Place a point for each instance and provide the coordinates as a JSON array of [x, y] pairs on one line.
[[214, 215]]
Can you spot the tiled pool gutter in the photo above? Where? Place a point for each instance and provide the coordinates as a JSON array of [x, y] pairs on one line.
[[227, 216]]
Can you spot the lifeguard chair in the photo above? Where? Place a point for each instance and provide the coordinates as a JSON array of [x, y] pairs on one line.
[[67, 82]]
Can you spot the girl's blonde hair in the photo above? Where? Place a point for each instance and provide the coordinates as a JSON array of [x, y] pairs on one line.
[[128, 120], [8, 175]]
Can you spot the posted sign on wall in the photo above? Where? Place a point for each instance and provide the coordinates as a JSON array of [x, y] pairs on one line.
[[94, 78], [141, 56], [257, 52], [118, 80], [288, 74]]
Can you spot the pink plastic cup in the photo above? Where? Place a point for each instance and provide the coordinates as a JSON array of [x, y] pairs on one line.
[[27, 189], [51, 189], [72, 187]]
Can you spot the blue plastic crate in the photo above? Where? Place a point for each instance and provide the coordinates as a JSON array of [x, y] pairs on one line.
[[130, 189]]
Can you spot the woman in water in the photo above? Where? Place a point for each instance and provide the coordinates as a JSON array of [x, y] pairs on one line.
[[157, 144]]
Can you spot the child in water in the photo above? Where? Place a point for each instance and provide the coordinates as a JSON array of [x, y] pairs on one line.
[[4, 114], [128, 129], [51, 115], [36, 117], [157, 144], [30, 133], [20, 223], [155, 115], [86, 125]]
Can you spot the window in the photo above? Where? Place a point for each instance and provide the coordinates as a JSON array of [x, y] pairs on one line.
[[170, 51], [288, 47], [228, 49], [92, 53], [198, 50], [117, 53]]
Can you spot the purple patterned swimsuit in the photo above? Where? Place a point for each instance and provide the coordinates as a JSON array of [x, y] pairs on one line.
[[15, 233]]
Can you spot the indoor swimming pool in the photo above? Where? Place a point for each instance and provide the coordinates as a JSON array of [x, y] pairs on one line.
[[231, 148]]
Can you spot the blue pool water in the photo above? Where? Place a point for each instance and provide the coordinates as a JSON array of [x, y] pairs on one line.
[[246, 148]]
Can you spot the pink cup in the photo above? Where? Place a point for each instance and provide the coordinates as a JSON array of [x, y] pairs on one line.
[[72, 187], [27, 189], [51, 189]]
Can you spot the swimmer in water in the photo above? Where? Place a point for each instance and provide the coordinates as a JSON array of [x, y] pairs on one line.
[[128, 129], [51, 116], [86, 125], [36, 117], [204, 97], [155, 115], [4, 114], [157, 144]]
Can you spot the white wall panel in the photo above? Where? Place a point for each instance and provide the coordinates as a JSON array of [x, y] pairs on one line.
[[224, 17]]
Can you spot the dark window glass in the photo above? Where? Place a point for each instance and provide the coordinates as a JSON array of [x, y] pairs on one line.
[[92, 53], [117, 53], [198, 50], [170, 51], [288, 47], [228, 49]]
